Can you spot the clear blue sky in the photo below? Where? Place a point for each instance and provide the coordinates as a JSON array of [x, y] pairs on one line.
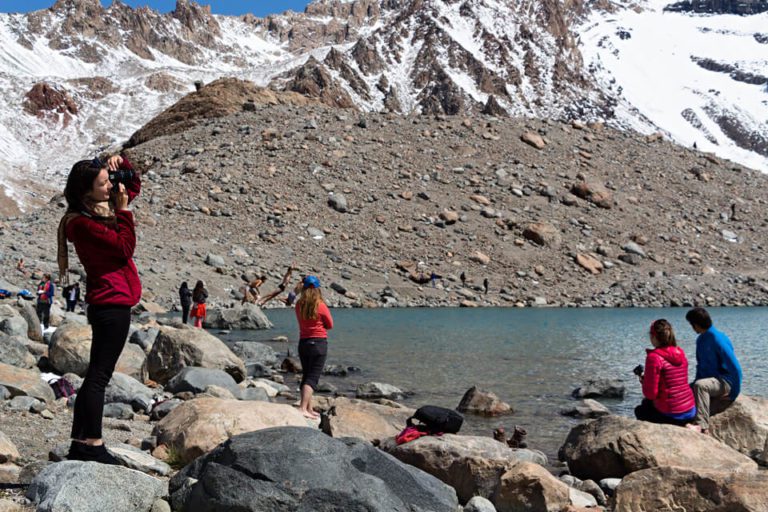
[[258, 7]]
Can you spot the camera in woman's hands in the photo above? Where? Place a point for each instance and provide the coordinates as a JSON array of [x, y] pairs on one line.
[[638, 370], [123, 176]]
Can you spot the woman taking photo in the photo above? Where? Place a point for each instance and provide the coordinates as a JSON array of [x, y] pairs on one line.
[[314, 322], [199, 296], [667, 396], [102, 230]]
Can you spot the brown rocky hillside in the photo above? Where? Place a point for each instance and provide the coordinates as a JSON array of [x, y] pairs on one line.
[[550, 213]]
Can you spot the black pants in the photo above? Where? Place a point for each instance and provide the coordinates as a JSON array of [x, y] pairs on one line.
[[71, 305], [647, 412], [44, 313], [110, 329], [312, 353], [185, 313]]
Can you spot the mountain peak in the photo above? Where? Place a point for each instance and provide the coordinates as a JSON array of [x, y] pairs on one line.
[[88, 6]]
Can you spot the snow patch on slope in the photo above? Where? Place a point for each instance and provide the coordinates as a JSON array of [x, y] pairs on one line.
[[645, 59]]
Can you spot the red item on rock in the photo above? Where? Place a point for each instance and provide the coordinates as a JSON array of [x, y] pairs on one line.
[[409, 434]]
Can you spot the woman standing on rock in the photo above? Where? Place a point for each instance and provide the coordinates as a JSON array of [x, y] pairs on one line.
[[315, 320], [185, 297], [199, 296], [102, 230], [667, 396]]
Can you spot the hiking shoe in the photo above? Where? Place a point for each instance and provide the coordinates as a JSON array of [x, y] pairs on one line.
[[88, 453]]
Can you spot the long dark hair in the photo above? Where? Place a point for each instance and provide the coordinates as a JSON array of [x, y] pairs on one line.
[[183, 286], [79, 183], [199, 289]]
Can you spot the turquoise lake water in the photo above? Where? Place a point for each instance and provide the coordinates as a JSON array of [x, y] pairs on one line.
[[531, 358]]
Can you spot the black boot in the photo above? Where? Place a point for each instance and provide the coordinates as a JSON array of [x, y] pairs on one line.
[[88, 453]]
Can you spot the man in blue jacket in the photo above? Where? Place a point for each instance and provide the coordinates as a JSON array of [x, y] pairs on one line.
[[718, 373]]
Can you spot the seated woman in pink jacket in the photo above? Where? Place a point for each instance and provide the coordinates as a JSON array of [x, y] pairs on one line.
[[667, 396]]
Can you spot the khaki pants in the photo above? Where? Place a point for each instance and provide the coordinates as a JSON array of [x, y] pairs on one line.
[[711, 398]]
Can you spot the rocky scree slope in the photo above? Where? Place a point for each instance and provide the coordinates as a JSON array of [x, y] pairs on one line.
[[573, 215]]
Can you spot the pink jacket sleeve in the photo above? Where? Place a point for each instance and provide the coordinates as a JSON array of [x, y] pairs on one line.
[[651, 377]]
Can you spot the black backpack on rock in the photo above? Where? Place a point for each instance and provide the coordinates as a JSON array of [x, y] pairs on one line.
[[434, 419]]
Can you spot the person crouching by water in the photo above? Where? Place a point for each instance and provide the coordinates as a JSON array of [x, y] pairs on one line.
[[102, 230], [199, 296], [667, 396], [185, 298], [315, 320]]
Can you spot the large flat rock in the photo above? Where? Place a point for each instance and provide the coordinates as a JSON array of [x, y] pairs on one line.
[[614, 446], [197, 426]]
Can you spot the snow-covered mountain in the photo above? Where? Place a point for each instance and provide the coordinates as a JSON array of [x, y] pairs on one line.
[[699, 78], [78, 77]]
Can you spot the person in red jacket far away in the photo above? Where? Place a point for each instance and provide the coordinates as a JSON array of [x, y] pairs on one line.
[[102, 230], [667, 396]]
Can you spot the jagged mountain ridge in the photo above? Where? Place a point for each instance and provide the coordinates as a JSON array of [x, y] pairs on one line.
[[118, 67]]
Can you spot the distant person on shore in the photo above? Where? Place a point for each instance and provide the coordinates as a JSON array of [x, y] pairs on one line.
[[185, 298], [45, 292], [280, 287], [315, 320], [463, 278], [199, 296], [100, 225], [485, 285], [667, 397], [72, 296], [252, 293], [718, 372]]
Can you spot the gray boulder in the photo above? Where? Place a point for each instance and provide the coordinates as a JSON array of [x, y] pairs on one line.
[[28, 313], [197, 379], [338, 202], [586, 409], [373, 390], [271, 470], [26, 404], [118, 411], [162, 409], [258, 370], [14, 326], [597, 388], [241, 317], [176, 349], [253, 352], [479, 504], [15, 353], [144, 337], [255, 394], [21, 381], [73, 485], [125, 389], [139, 460]]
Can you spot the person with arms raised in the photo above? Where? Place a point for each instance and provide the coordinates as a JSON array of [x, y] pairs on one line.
[[101, 227]]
